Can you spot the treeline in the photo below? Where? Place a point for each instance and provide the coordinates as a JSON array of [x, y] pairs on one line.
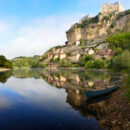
[[4, 63], [25, 62]]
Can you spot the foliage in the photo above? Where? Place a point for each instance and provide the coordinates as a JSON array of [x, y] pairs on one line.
[[84, 59], [105, 18], [88, 57], [112, 25], [44, 57], [127, 12], [99, 64], [87, 22], [123, 14], [28, 62], [121, 40], [110, 15], [66, 63], [68, 53], [128, 88], [89, 64], [54, 60], [121, 61], [4, 63], [5, 76], [99, 13], [118, 51]]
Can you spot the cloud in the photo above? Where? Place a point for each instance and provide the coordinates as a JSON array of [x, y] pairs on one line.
[[39, 35], [45, 95]]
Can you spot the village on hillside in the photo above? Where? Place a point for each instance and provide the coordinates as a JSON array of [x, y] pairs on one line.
[[89, 36]]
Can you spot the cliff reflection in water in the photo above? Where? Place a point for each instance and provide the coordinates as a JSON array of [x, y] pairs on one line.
[[76, 83]]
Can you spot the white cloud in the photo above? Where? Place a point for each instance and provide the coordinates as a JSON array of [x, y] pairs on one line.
[[45, 94], [39, 35]]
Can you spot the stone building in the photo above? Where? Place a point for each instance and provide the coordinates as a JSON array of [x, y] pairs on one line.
[[87, 17], [112, 8]]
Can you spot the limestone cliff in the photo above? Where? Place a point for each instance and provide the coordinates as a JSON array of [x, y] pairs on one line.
[[98, 27]]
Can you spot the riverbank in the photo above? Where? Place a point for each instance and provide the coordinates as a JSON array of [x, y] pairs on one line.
[[118, 114]]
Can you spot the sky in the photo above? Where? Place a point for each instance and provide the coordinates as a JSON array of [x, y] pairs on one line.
[[31, 27]]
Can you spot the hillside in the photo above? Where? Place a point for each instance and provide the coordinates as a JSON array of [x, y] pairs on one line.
[[25, 62], [93, 43]]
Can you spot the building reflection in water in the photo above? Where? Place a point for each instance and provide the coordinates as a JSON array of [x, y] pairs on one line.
[[76, 83]]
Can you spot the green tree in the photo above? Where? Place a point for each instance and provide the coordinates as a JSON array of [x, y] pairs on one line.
[[121, 40], [122, 61]]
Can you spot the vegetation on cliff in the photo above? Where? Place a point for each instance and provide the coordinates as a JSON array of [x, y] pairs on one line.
[[87, 22], [121, 40]]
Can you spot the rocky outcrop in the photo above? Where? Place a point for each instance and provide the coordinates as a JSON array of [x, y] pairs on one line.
[[99, 26]]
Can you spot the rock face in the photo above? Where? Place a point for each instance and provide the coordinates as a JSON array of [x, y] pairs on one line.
[[103, 26]]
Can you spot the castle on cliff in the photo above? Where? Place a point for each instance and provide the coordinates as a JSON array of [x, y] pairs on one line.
[[107, 9], [112, 8]]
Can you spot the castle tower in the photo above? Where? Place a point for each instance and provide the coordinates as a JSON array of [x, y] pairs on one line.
[[112, 8]]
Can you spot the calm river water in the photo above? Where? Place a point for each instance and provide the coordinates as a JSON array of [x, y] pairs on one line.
[[40, 99]]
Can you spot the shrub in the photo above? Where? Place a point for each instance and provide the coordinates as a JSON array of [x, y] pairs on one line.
[[44, 65], [118, 51], [44, 57], [66, 63], [122, 61], [127, 12], [51, 60], [99, 64], [88, 57], [112, 25], [68, 53], [89, 64], [82, 61], [85, 59], [87, 22], [105, 18], [110, 15]]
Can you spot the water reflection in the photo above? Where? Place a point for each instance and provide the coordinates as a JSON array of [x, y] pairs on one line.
[[53, 99], [4, 76]]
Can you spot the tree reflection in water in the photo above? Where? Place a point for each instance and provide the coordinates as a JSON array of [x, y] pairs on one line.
[[76, 83]]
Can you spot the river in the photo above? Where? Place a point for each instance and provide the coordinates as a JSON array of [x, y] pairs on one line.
[[38, 99]]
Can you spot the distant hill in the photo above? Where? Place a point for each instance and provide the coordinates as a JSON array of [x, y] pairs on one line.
[[25, 62]]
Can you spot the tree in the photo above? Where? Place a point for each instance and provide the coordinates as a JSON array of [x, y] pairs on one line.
[[121, 40], [122, 61]]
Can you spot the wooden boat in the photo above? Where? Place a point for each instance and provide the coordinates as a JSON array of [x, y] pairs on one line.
[[91, 94]]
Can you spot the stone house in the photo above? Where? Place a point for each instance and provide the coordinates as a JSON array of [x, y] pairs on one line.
[[74, 58], [104, 53], [87, 17], [62, 56]]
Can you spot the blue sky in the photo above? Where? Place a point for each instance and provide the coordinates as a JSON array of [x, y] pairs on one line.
[[29, 27]]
